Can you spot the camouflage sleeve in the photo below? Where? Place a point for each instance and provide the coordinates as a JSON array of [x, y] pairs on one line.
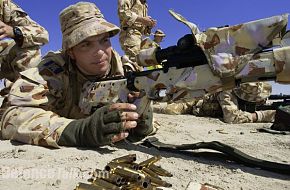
[[231, 112], [148, 43], [33, 33], [126, 16], [30, 117]]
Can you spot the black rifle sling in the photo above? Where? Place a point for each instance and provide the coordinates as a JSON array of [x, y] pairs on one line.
[[272, 131], [233, 153]]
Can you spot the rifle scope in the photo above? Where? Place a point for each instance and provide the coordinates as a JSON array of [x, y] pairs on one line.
[[185, 54]]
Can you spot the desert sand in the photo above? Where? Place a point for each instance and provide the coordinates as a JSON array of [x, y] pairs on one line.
[[31, 167]]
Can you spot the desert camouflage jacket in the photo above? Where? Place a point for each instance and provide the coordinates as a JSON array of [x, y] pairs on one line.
[[227, 104], [230, 108], [129, 10], [13, 15], [46, 99], [148, 43]]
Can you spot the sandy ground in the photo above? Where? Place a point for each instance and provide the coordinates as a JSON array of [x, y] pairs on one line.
[[31, 167]]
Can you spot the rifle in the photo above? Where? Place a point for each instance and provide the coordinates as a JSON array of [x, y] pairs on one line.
[[275, 101], [200, 63]]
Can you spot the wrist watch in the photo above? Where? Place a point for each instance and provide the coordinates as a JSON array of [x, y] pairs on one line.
[[18, 36]]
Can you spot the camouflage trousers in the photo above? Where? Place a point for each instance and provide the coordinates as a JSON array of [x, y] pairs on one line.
[[14, 59], [130, 41], [178, 107], [220, 105], [233, 114]]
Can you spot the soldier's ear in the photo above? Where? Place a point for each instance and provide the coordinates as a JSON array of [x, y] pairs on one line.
[[71, 54]]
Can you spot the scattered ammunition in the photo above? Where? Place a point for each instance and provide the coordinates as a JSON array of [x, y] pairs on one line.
[[84, 186], [133, 166], [115, 179], [150, 172], [145, 183], [131, 186], [130, 158], [136, 166], [135, 187], [134, 171], [150, 161], [159, 182], [127, 174], [107, 185], [113, 165], [160, 171], [107, 176], [124, 174], [101, 173]]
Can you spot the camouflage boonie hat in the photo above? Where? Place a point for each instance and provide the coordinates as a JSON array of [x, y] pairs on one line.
[[159, 33], [254, 91], [83, 20]]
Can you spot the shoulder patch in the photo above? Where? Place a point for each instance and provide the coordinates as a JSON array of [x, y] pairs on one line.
[[51, 67]]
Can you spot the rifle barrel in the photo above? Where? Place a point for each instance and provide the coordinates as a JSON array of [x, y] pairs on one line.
[[279, 97]]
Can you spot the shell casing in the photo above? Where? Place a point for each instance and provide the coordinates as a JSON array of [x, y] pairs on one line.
[[160, 171], [150, 161], [105, 184], [130, 158]]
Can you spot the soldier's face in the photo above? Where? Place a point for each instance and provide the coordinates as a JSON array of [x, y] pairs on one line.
[[93, 55], [158, 39]]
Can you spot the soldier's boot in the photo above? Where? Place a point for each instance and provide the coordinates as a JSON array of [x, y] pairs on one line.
[[178, 108], [282, 119]]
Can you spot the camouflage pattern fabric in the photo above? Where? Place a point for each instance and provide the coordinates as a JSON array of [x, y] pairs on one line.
[[285, 41], [229, 49], [148, 43], [232, 114], [131, 31], [282, 64], [13, 58], [46, 99], [179, 107], [208, 106], [83, 15], [232, 52], [225, 104], [254, 91]]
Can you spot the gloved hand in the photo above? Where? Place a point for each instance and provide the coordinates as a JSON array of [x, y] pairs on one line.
[[265, 116], [144, 126], [106, 125], [145, 121]]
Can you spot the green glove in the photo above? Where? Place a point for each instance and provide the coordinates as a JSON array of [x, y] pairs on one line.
[[93, 131], [144, 126]]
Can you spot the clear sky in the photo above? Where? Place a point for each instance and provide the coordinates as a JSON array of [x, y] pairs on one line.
[[203, 13]]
